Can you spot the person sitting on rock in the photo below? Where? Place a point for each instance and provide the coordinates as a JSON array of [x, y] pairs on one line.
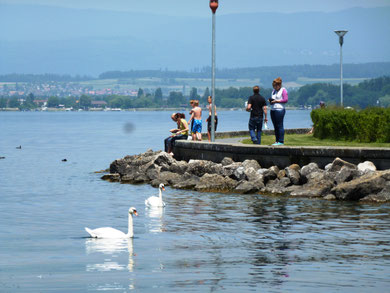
[[181, 132]]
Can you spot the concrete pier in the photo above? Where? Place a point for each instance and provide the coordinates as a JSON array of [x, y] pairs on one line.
[[281, 156]]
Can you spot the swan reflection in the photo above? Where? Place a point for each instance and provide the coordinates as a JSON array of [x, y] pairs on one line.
[[111, 247], [155, 214]]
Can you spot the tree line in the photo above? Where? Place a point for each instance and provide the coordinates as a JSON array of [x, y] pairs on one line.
[[373, 92], [264, 73]]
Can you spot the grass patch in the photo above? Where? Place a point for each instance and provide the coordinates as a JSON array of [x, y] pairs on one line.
[[309, 140]]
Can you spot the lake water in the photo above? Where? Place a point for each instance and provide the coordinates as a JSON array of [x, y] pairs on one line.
[[201, 242]]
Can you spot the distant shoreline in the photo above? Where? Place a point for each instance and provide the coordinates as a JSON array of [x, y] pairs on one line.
[[125, 110]]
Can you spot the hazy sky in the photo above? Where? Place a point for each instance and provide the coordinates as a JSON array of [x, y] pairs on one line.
[[200, 7]]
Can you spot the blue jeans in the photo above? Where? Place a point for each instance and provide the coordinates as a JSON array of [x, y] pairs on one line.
[[169, 142], [277, 117], [255, 126]]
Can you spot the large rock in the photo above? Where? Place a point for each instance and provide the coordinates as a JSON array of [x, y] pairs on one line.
[[152, 171], [227, 161], [215, 183], [168, 178], [239, 174], [163, 158], [229, 169], [358, 188], [112, 177], [281, 174], [307, 170], [346, 174], [187, 181], [202, 167], [320, 189], [179, 167], [269, 174], [276, 186], [251, 164], [119, 166], [338, 163], [249, 186], [382, 196], [366, 167], [252, 175], [292, 172]]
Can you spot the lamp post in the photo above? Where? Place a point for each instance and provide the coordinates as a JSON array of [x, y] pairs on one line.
[[213, 7], [341, 34]]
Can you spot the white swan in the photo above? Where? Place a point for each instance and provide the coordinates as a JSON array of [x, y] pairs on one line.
[[108, 232], [155, 201]]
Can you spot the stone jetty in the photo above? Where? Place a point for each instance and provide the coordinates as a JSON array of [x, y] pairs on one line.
[[339, 180]]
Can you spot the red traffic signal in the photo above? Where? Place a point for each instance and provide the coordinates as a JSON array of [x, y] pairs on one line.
[[214, 5]]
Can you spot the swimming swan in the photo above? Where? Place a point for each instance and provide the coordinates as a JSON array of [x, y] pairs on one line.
[[155, 201], [108, 232]]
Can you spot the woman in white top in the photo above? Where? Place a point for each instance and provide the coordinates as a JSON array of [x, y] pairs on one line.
[[278, 99]]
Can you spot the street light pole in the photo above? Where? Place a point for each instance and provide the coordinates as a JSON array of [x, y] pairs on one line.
[[213, 7], [341, 34]]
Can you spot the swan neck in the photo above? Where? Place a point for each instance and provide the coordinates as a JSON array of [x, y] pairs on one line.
[[130, 231], [160, 193]]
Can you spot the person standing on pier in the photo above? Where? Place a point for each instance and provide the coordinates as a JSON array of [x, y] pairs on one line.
[[258, 108], [278, 99], [209, 106]]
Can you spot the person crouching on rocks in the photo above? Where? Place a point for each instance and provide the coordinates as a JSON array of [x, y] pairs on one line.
[[181, 132]]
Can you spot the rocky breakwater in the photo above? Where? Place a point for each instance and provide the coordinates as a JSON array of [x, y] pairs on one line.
[[340, 180]]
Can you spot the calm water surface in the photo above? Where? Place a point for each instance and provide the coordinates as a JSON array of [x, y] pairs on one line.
[[201, 242]]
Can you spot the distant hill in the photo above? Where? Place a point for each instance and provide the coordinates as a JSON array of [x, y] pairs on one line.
[[41, 39], [265, 74]]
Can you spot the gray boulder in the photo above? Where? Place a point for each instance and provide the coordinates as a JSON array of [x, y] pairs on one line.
[[307, 170], [202, 167], [251, 164], [366, 167], [112, 177], [274, 187], [346, 174], [292, 172], [370, 183], [179, 167], [163, 158], [320, 189], [168, 178], [252, 175], [246, 187], [227, 161], [338, 163], [239, 174], [187, 181], [152, 171], [215, 183], [382, 196], [281, 174], [330, 197], [229, 169], [119, 166], [269, 174]]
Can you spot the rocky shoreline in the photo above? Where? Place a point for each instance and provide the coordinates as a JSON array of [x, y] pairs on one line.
[[340, 180]]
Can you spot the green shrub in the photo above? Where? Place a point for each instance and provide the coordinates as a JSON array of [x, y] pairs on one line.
[[368, 125]]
